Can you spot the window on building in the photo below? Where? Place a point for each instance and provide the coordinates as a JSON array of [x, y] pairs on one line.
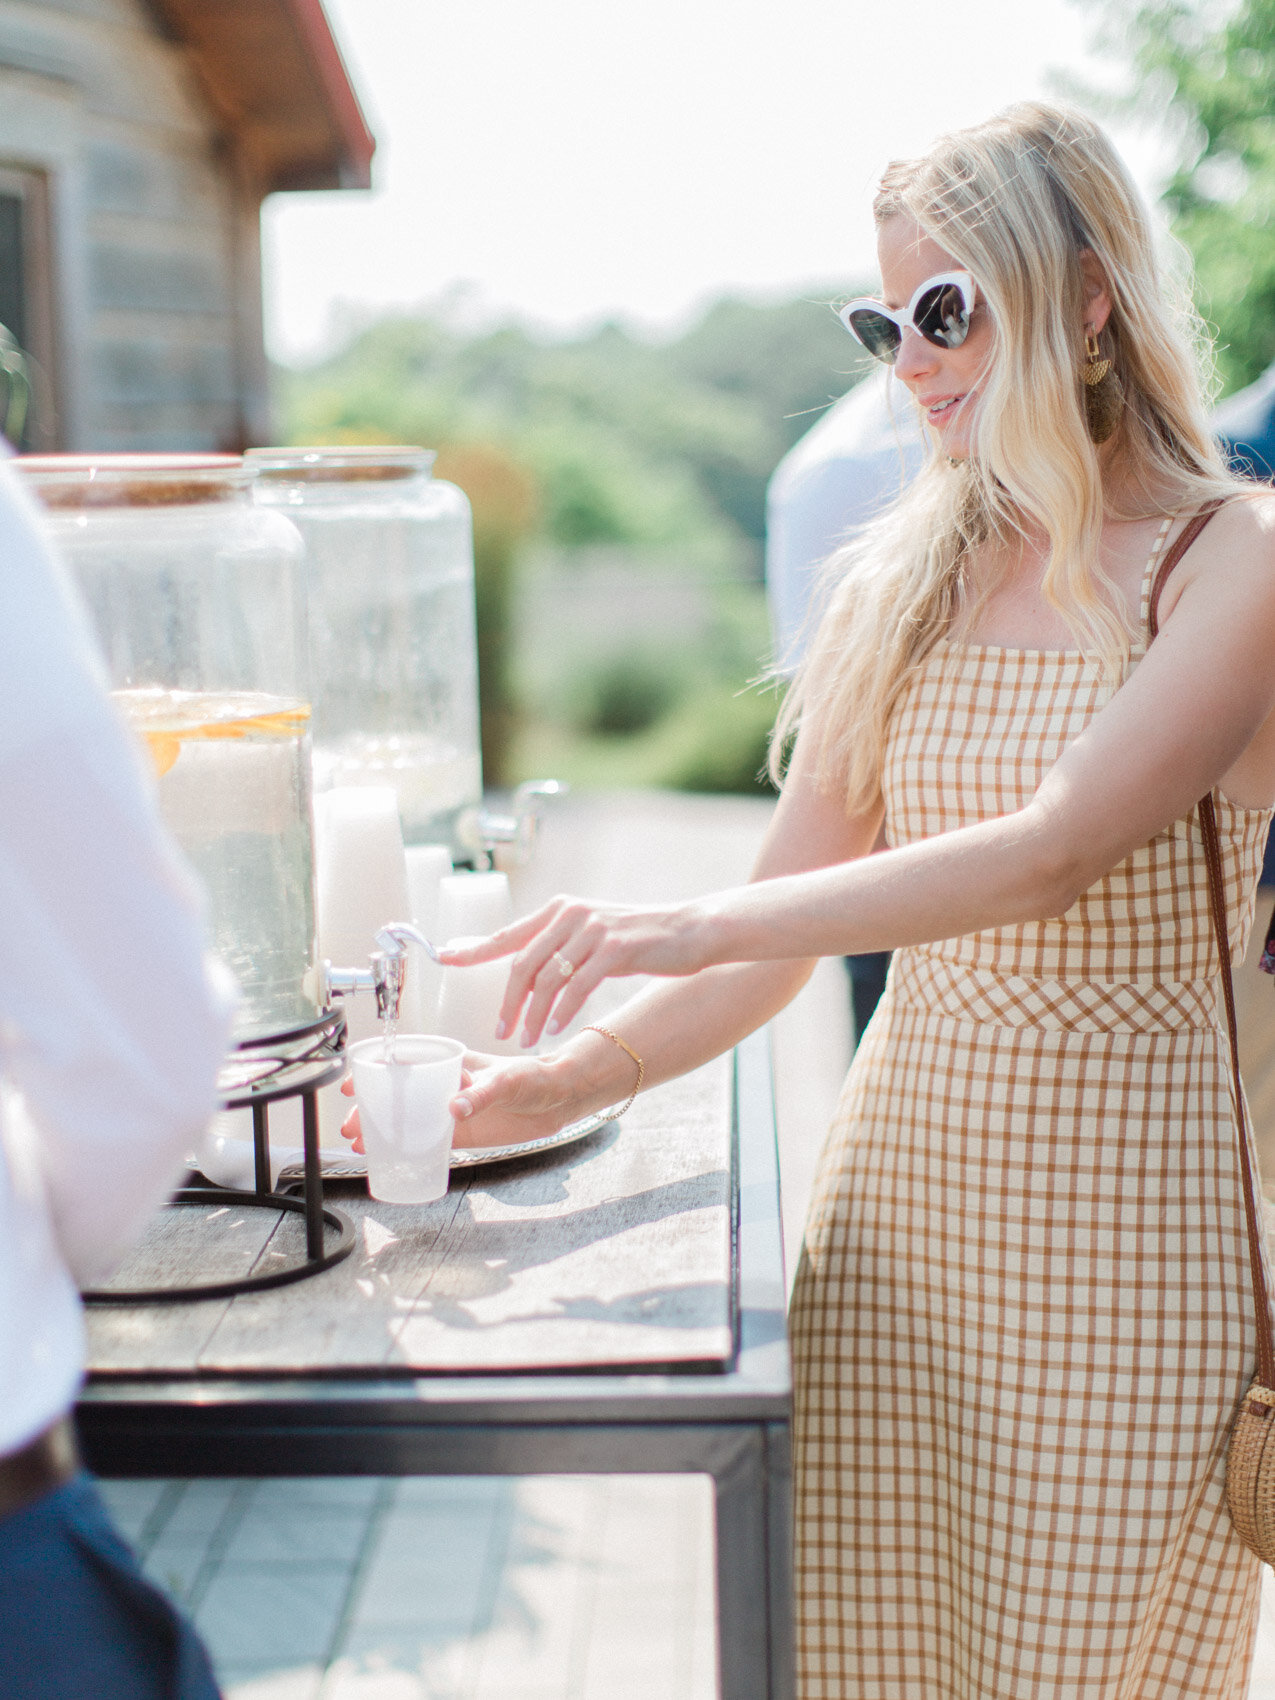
[[26, 295]]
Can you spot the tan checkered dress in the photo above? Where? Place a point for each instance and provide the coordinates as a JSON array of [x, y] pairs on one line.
[[1022, 1321]]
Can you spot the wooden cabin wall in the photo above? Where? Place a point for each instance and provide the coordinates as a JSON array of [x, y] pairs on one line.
[[154, 334]]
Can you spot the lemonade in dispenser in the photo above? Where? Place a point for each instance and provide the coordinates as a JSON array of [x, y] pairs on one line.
[[197, 599]]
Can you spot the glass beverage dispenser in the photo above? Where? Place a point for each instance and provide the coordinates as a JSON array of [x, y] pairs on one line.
[[197, 599], [393, 657]]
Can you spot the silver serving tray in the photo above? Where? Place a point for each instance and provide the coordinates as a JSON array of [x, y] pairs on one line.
[[354, 1167], [473, 1157]]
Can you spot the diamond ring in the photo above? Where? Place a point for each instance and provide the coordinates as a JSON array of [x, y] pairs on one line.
[[565, 968]]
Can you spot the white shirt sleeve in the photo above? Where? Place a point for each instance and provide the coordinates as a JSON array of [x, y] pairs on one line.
[[112, 1020]]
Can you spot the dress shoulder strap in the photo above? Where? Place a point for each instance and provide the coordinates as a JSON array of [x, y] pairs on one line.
[[1149, 571]]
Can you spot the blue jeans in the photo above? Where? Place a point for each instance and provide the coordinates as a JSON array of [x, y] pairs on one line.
[[78, 1620]]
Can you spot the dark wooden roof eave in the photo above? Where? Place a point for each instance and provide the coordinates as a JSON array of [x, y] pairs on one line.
[[274, 76]]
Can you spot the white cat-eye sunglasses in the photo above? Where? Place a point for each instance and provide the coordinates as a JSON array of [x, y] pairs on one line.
[[939, 311]]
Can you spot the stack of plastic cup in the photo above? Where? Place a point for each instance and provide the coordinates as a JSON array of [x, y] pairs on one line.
[[403, 1110]]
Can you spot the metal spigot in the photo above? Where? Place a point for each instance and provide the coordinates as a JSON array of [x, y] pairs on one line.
[[485, 833], [386, 973], [383, 976]]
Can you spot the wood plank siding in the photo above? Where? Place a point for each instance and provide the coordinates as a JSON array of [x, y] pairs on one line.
[[153, 210]]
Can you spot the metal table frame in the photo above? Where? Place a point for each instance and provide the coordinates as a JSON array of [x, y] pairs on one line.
[[293, 1063], [733, 1426]]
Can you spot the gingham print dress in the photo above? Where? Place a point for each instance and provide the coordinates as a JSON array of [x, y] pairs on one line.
[[1022, 1320]]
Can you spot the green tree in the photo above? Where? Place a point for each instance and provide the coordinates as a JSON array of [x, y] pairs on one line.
[[504, 500], [630, 439], [1213, 67]]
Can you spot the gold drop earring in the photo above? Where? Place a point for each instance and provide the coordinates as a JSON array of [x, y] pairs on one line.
[[1103, 395]]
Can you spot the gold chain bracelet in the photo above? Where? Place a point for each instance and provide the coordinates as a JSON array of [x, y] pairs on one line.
[[614, 1115]]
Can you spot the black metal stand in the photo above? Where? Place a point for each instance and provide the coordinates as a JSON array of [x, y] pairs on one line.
[[295, 1062]]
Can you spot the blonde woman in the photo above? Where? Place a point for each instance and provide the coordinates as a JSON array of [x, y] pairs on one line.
[[1021, 1324]]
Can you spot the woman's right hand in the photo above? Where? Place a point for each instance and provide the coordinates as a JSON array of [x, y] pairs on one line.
[[564, 951]]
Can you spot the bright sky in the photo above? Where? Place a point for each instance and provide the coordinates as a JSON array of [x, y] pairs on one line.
[[570, 160]]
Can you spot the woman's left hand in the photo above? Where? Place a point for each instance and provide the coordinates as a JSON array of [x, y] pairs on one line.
[[570, 946], [502, 1101]]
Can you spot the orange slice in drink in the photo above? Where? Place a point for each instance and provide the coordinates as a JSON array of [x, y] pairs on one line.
[[165, 742], [281, 723], [164, 748]]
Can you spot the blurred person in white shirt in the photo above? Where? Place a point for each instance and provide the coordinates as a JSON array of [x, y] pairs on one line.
[[112, 1025], [833, 480]]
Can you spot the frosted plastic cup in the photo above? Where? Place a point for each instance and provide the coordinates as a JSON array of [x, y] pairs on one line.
[[407, 1127]]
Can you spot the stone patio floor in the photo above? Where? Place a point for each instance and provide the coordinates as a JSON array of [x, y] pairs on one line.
[[466, 1588]]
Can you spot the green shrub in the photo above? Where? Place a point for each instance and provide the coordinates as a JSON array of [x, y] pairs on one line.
[[724, 744], [627, 694]]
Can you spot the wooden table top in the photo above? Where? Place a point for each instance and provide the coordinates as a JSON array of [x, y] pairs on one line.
[[613, 1253]]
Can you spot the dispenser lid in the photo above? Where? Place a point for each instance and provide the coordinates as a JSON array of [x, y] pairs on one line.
[[134, 480], [341, 463]]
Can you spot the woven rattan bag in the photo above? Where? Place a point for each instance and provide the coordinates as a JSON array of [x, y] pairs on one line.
[[1250, 1463]]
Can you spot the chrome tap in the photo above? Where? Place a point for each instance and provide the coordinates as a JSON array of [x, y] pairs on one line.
[[383, 976], [386, 973], [487, 834]]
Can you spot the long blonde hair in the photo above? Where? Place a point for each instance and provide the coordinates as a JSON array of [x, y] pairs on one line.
[[1015, 201]]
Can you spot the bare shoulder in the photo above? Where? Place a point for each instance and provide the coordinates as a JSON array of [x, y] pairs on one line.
[[1235, 551], [1243, 529]]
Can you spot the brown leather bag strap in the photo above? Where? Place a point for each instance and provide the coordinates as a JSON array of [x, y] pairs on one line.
[[1181, 543], [1252, 1208], [1207, 816]]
